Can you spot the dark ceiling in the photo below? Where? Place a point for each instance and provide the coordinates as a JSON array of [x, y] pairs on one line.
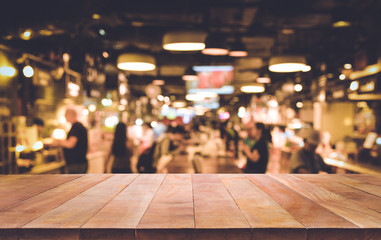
[[266, 27]]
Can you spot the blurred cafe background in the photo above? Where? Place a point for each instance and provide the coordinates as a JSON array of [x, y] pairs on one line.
[[210, 66]]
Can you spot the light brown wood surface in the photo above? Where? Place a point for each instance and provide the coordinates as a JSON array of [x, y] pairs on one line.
[[190, 206]]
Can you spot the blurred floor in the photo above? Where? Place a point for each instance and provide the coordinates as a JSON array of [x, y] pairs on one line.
[[278, 163]]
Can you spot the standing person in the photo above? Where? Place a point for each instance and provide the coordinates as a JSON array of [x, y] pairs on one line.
[[76, 144], [121, 149], [306, 160], [257, 155]]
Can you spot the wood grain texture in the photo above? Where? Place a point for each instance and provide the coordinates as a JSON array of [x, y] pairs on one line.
[[215, 208], [349, 193], [19, 189], [171, 209], [313, 216], [374, 179], [186, 206], [127, 209], [23, 212], [349, 210], [77, 211]]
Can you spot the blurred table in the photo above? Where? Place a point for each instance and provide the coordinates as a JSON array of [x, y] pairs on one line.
[[190, 206], [351, 166]]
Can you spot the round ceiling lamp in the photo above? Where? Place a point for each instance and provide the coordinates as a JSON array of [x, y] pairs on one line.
[[136, 62], [215, 46], [238, 49], [184, 41], [284, 64], [190, 75], [257, 88]]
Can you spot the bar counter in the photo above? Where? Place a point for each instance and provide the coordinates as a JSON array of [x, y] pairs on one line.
[[190, 206]]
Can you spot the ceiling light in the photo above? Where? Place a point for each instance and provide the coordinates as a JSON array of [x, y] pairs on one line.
[[285, 64], [341, 17], [342, 77], [348, 66], [263, 80], [158, 82], [238, 49], [298, 87], [215, 45], [299, 104], [184, 41], [136, 62], [190, 75], [259, 88]]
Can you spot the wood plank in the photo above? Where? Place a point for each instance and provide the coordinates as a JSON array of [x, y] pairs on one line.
[[21, 213], [76, 212], [261, 211], [53, 234], [347, 209], [347, 192], [318, 220], [363, 186], [374, 179], [24, 188], [122, 215], [171, 209], [215, 209]]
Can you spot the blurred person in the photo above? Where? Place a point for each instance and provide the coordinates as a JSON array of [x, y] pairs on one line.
[[76, 144], [121, 150], [40, 126], [306, 160], [167, 147], [256, 150]]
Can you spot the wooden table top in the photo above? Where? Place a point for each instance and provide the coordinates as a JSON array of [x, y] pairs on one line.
[[190, 206]]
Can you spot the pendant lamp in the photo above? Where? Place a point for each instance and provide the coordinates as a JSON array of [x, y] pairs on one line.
[[238, 49], [190, 75], [184, 40], [215, 45], [136, 62], [284, 64]]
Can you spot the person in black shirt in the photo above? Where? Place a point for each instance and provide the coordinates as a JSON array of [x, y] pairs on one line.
[[76, 144], [257, 155]]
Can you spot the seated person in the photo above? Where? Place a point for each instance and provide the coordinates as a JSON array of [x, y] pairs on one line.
[[306, 160]]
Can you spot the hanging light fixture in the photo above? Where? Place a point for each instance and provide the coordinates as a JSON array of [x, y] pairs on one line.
[[238, 49], [136, 62], [253, 88], [184, 41], [190, 75], [215, 45], [284, 64]]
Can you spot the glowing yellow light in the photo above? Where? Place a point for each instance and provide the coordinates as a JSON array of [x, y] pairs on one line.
[[354, 86], [215, 51], [348, 66], [27, 34], [253, 89], [8, 71], [342, 77], [299, 104], [298, 87], [153, 124], [38, 146], [92, 108], [105, 54], [59, 134], [28, 71], [111, 121], [20, 148], [341, 24], [185, 46], [96, 16]]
